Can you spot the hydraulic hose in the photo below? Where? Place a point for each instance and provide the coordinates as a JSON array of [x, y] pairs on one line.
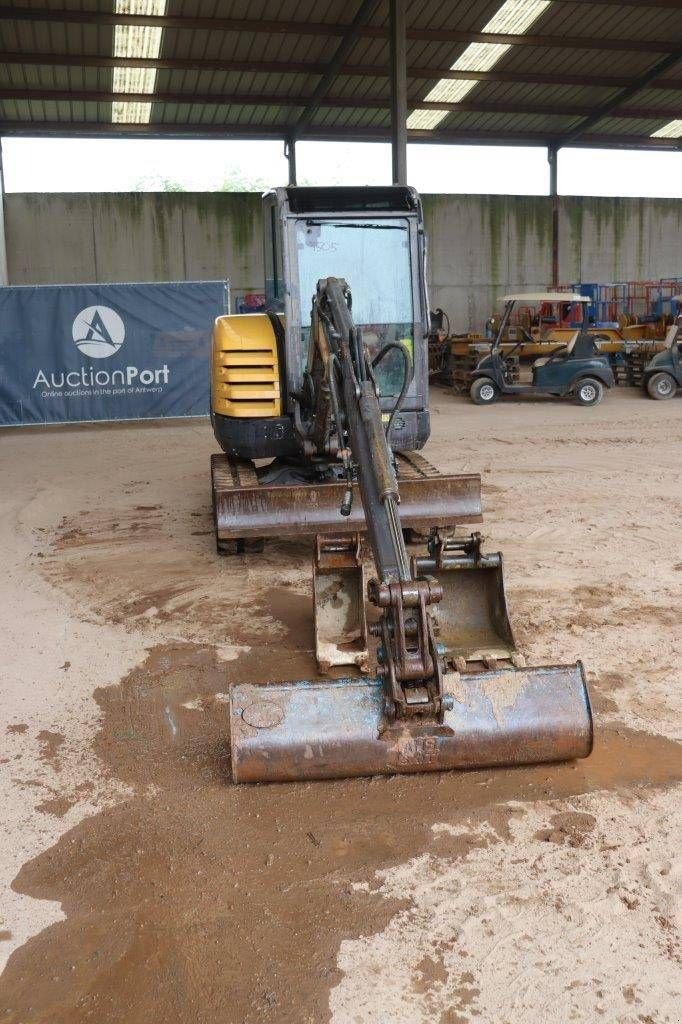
[[407, 378]]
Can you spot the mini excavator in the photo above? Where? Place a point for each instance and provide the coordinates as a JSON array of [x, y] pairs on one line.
[[334, 393]]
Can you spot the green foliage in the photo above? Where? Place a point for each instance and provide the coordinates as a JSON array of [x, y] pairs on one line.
[[236, 181], [155, 183]]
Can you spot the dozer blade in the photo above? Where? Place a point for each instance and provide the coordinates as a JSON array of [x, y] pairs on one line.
[[339, 603], [245, 508], [337, 728]]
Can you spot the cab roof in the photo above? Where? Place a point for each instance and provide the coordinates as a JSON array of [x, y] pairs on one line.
[[545, 297], [352, 199]]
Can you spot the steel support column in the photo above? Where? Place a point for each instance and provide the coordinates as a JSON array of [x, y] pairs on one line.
[[290, 154], [552, 154], [4, 279], [398, 93]]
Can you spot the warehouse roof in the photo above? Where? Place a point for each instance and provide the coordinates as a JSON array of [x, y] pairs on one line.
[[515, 71]]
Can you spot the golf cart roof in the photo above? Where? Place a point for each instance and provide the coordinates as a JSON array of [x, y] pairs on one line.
[[545, 297]]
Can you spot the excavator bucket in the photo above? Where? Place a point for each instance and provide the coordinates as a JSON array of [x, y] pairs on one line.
[[338, 728], [339, 603], [471, 620], [498, 712]]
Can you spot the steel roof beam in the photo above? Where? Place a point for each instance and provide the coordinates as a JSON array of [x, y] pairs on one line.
[[666, 5], [350, 38], [612, 106], [309, 28], [336, 102], [239, 131], [80, 60]]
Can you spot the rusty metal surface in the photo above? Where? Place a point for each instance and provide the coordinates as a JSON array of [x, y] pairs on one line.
[[472, 621], [243, 508], [337, 728], [339, 603]]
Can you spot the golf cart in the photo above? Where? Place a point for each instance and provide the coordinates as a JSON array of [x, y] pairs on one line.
[[663, 373], [576, 368]]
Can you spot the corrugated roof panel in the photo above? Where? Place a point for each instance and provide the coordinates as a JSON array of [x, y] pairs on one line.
[[524, 94], [27, 37], [510, 122], [610, 20], [579, 62], [666, 98], [517, 100], [469, 16], [627, 126]]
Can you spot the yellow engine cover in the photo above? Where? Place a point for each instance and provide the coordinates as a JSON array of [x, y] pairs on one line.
[[245, 372]]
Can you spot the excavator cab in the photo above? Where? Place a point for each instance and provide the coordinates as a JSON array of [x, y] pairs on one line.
[[373, 237]]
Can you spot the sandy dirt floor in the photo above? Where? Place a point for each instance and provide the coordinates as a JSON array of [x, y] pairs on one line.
[[139, 885]]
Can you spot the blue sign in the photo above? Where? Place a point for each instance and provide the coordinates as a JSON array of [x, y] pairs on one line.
[[77, 353]]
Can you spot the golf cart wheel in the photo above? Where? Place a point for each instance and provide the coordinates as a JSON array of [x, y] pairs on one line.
[[588, 391], [483, 391], [661, 386]]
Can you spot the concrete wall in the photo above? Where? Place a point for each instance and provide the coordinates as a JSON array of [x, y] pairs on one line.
[[479, 246], [54, 239]]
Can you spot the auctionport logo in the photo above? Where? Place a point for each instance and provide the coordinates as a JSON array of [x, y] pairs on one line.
[[98, 332]]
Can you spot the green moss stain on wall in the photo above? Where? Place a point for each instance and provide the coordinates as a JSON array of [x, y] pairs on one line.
[[435, 213], [613, 221], [571, 222], [619, 220], [119, 206], [532, 220], [245, 217], [640, 259], [205, 206], [162, 206], [118, 216], [494, 217], [572, 208], [212, 218], [232, 221], [614, 238]]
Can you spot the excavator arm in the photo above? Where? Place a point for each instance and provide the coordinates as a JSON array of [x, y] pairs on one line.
[[344, 400]]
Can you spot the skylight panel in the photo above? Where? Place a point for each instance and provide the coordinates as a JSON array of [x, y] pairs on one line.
[[513, 18], [135, 41], [671, 130]]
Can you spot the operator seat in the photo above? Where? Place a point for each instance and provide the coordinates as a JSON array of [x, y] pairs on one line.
[[671, 335], [561, 354]]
